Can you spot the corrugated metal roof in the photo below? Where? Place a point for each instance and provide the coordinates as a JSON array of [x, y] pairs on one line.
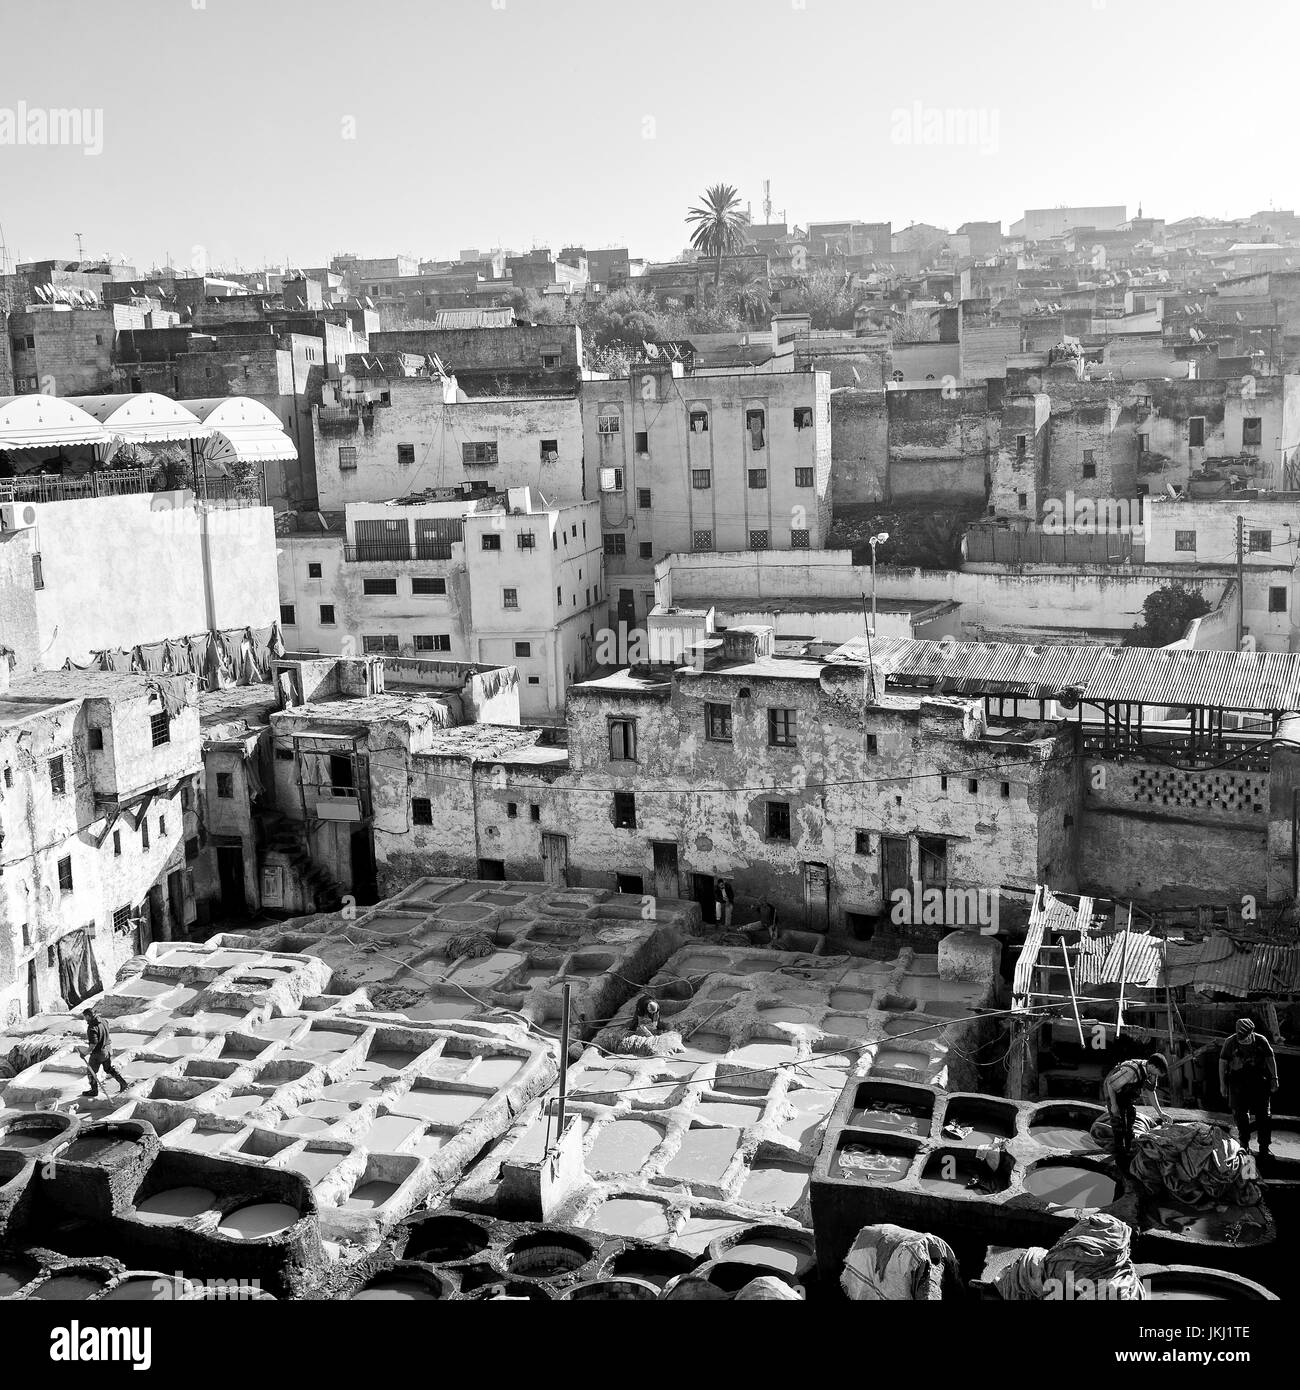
[[1131, 675], [1222, 966], [474, 318]]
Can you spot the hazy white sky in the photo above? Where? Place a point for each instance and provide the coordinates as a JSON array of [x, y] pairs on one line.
[[529, 122]]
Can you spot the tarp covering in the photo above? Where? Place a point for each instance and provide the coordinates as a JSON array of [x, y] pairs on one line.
[[1091, 1262], [890, 1264], [78, 972]]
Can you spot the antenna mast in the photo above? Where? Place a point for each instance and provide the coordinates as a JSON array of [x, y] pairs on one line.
[[767, 201]]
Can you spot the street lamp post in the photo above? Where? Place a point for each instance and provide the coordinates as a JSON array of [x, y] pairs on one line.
[[875, 540]]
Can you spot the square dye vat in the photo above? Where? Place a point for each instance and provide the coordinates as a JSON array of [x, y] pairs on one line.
[[704, 1156]]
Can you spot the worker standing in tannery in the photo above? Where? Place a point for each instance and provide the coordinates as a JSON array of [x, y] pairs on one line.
[[1248, 1078]]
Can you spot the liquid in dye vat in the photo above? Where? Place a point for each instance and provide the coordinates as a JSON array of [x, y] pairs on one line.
[[850, 1001], [404, 1290], [485, 970], [204, 1140], [444, 1107], [533, 1143], [1063, 1137], [695, 1236], [810, 1109], [370, 1195], [441, 1008], [96, 1149], [1065, 1185], [773, 1182], [258, 1220], [144, 1289], [911, 1025], [705, 1047], [69, 1287], [315, 1164], [723, 1113], [704, 1155], [493, 1071], [180, 1046], [764, 1054], [13, 1275], [284, 1028], [26, 1139], [348, 1090], [631, 1216], [600, 1079], [433, 1141], [304, 1124], [389, 1132], [893, 1059], [1184, 1294], [788, 1256], [390, 1060], [777, 1013], [325, 1040], [847, 1026], [175, 1205], [623, 1147], [866, 1161]]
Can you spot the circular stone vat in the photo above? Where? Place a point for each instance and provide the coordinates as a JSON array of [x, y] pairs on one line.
[[71, 1286], [774, 1249], [512, 1288], [146, 1288], [547, 1254], [174, 1205], [259, 1220], [1064, 1126], [613, 1291], [1072, 1185], [1192, 1284], [650, 1266], [732, 1277], [33, 1131], [406, 1286], [100, 1146], [15, 1274], [443, 1239]]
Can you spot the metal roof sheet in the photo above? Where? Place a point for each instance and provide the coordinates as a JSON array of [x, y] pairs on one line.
[[1127, 675]]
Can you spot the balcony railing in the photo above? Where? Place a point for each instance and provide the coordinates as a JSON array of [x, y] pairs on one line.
[[121, 482], [379, 551]]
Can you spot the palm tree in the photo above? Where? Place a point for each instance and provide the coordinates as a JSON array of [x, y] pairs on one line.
[[749, 295], [718, 224]]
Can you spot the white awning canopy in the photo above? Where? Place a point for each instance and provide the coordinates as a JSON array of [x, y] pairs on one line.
[[242, 429], [46, 422], [143, 418]]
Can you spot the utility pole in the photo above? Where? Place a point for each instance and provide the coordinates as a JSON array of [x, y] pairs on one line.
[[1241, 579], [78, 236]]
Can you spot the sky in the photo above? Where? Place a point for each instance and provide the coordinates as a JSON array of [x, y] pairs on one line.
[[243, 133]]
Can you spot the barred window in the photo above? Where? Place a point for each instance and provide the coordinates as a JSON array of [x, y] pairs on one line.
[[758, 540], [701, 478], [385, 645], [347, 456], [798, 540], [484, 452], [702, 540], [758, 477], [803, 477], [421, 810], [615, 543]]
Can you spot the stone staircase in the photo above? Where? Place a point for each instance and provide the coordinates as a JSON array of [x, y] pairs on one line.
[[288, 838]]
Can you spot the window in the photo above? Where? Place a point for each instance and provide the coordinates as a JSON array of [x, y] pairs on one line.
[[406, 454], [972, 786], [58, 778], [702, 540], [347, 457], [758, 540], [778, 820], [615, 543], [1261, 540], [699, 422], [717, 723], [379, 587], [122, 919], [803, 417], [1005, 791], [646, 550], [1022, 445], [550, 450], [162, 825], [1022, 501], [629, 883], [480, 454], [160, 729], [509, 598], [803, 477], [559, 597], [1089, 463], [379, 646], [428, 585], [327, 614], [755, 424], [512, 810], [1144, 443], [758, 478], [625, 810], [872, 745], [191, 848], [288, 616], [117, 844], [798, 540], [550, 361], [438, 642], [38, 571], [1196, 431], [1252, 430], [313, 571], [1184, 540], [526, 540], [421, 810], [225, 785], [781, 728], [523, 649], [861, 842], [622, 740], [65, 875], [491, 541], [609, 424], [1277, 600], [534, 812], [144, 834], [643, 498], [96, 737], [643, 441], [701, 478]]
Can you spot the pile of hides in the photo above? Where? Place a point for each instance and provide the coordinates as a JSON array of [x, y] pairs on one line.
[[27, 1054], [1090, 1263], [1103, 1132], [1200, 1165], [469, 943], [890, 1264], [660, 1045]]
